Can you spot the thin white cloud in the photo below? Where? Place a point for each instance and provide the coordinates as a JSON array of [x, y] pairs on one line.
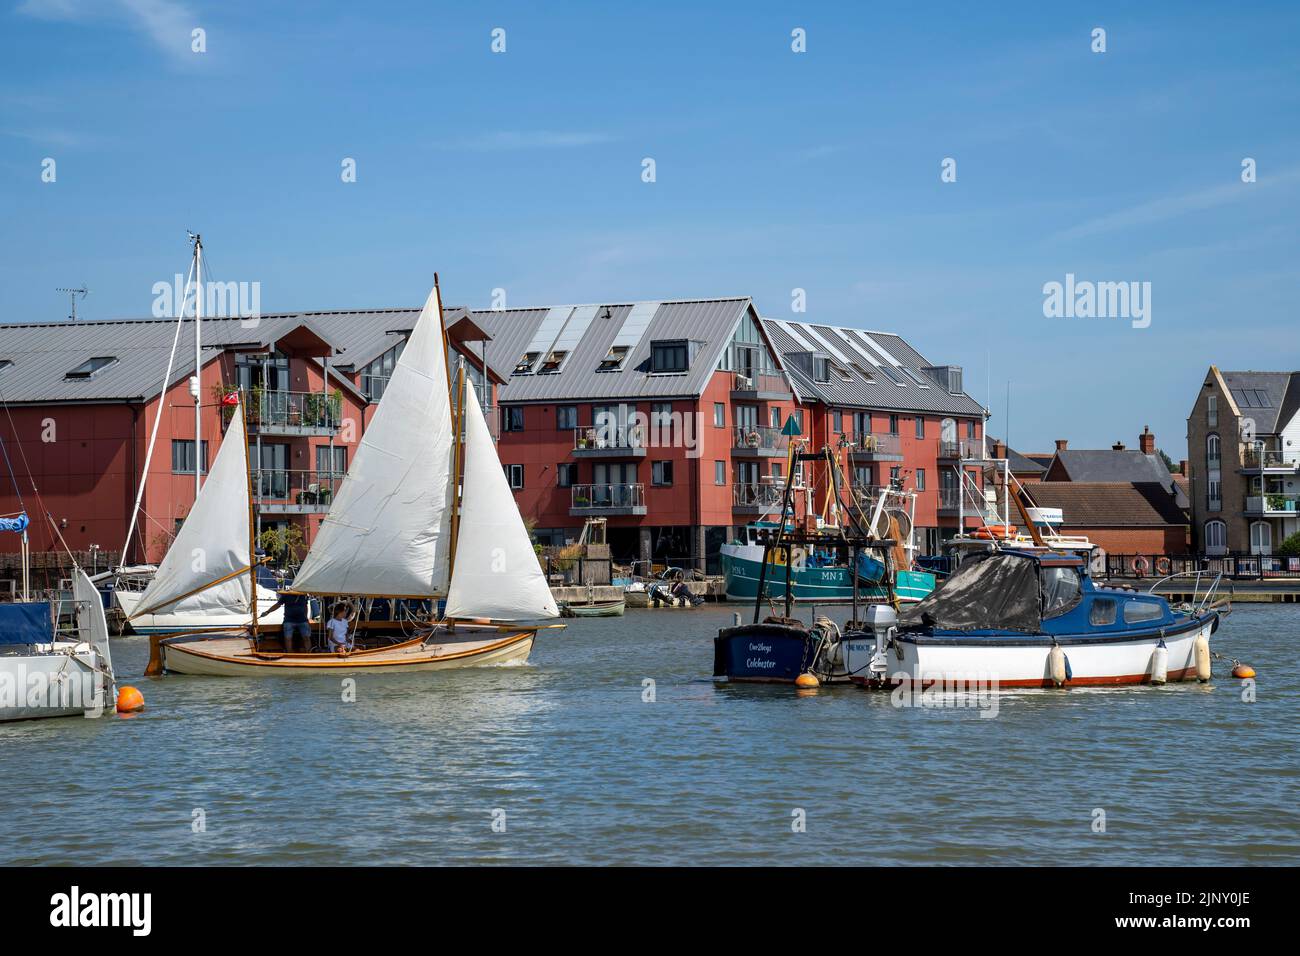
[[506, 140], [1158, 210], [167, 23]]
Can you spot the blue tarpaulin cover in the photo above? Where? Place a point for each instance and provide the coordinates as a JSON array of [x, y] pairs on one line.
[[26, 623], [18, 523]]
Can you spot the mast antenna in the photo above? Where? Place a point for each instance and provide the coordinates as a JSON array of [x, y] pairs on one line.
[[72, 297]]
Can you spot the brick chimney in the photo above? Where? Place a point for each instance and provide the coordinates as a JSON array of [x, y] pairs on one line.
[[1147, 441], [1182, 468], [1061, 444], [999, 448]]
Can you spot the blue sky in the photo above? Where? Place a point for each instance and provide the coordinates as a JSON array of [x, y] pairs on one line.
[[774, 171]]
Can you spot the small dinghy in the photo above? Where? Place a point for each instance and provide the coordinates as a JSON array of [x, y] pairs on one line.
[[593, 609]]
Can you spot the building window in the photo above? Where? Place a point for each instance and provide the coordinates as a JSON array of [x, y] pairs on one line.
[[798, 419], [920, 427], [669, 357], [1212, 411], [512, 418], [515, 475], [566, 474], [1261, 538], [183, 456], [893, 424], [375, 374], [661, 473], [89, 367], [1213, 451], [1214, 494], [837, 421], [719, 415], [566, 417], [895, 473], [920, 479], [821, 369], [861, 425], [1216, 537], [774, 418], [331, 461], [719, 472], [970, 429]]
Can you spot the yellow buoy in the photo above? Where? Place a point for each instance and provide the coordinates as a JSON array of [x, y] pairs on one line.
[[1243, 672], [129, 700], [807, 680], [1056, 665], [1202, 648]]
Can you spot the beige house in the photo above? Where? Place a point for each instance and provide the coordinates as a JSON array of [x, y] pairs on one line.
[[1243, 447]]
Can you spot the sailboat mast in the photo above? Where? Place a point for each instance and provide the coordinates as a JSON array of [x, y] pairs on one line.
[[252, 527], [456, 399], [195, 387]]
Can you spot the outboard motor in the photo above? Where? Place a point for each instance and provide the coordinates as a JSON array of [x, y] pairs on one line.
[[883, 622]]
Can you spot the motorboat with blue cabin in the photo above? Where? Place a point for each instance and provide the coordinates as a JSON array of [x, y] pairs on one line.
[[1034, 618]]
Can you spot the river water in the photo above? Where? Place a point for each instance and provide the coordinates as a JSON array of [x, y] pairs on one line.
[[565, 760]]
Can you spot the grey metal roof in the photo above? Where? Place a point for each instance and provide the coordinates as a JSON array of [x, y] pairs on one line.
[[876, 392], [1261, 396], [709, 323], [1019, 463]]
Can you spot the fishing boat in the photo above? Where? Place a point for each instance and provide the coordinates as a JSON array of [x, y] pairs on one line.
[[423, 515], [1033, 618], [780, 648]]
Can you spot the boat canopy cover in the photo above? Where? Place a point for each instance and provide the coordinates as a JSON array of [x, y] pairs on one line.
[[29, 623], [16, 523], [994, 592]]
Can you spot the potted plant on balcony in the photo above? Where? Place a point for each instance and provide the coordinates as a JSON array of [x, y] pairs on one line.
[[1280, 503]]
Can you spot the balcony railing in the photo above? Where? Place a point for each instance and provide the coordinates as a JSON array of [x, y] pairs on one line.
[[760, 383], [295, 492], [1256, 458], [758, 438], [609, 438], [1273, 505], [273, 411], [628, 497], [961, 448], [757, 494], [878, 447], [949, 499]]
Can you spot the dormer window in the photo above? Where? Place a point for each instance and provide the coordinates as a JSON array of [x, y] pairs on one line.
[[614, 360], [92, 366], [669, 356], [821, 369]]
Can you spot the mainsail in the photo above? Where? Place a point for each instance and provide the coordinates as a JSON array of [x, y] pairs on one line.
[[496, 574], [202, 569], [387, 530]]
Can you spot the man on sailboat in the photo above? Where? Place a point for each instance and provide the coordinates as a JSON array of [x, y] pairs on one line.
[[297, 622]]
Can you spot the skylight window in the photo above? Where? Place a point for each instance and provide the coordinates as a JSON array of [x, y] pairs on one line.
[[839, 371], [5, 363], [914, 377], [552, 363], [91, 366], [525, 364], [614, 360], [893, 376]]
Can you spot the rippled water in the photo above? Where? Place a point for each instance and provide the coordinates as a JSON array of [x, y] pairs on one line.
[[586, 772]]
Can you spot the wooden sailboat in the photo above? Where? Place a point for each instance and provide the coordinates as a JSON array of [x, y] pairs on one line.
[[421, 516]]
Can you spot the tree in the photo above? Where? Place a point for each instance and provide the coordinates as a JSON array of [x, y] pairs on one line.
[[284, 545], [1290, 548], [1169, 462]]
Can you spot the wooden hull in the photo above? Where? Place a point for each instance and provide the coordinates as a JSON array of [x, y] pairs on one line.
[[233, 656], [599, 609]]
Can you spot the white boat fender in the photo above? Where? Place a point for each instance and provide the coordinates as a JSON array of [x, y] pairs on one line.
[[1202, 649], [1057, 665], [1160, 663]]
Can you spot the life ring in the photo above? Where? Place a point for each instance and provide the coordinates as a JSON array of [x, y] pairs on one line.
[[1139, 565], [1163, 566]]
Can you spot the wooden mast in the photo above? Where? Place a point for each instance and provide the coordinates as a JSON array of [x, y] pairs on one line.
[[252, 522], [455, 401]]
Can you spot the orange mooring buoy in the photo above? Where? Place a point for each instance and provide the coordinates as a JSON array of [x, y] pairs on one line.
[[807, 680], [129, 700], [1243, 671]]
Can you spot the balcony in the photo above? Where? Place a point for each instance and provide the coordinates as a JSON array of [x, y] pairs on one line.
[[758, 441], [608, 441], [589, 500], [761, 387], [294, 492], [1255, 461], [950, 500], [295, 413], [871, 448], [951, 450], [756, 497], [1278, 506]]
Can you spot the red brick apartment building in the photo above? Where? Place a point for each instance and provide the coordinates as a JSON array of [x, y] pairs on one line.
[[81, 400], [664, 418]]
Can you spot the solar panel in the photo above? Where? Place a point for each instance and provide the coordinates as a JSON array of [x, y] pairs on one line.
[[544, 338], [571, 335], [635, 325]]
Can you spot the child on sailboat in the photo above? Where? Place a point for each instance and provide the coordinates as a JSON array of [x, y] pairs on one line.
[[337, 629]]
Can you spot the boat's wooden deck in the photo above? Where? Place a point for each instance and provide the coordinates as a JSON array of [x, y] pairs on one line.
[[241, 649]]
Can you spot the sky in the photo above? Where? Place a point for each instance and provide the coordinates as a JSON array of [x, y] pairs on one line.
[[774, 171]]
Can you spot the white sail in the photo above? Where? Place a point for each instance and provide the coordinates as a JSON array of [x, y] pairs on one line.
[[387, 530], [496, 574], [212, 544]]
